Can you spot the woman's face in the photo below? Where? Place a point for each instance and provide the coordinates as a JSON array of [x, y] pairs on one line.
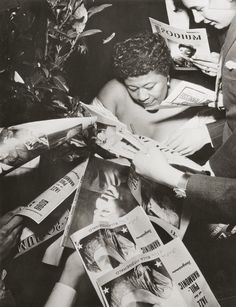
[[147, 90], [217, 13]]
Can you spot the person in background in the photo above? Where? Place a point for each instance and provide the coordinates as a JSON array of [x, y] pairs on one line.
[[142, 65], [219, 14]]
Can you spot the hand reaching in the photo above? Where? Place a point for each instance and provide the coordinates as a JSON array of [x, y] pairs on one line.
[[208, 67], [189, 140], [10, 231]]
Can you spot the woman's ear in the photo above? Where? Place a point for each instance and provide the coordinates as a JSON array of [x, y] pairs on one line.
[[168, 81]]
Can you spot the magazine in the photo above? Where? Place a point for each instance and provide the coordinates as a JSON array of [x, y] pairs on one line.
[[110, 190], [183, 44], [49, 200], [104, 196], [116, 139], [161, 202], [22, 143], [166, 277], [105, 245], [189, 94], [35, 234]]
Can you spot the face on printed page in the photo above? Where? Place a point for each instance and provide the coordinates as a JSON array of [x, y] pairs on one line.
[[147, 90], [217, 13]]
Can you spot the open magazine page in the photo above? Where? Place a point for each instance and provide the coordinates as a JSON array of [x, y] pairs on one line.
[[189, 94], [104, 195], [183, 44], [104, 246], [166, 277], [116, 139], [22, 143], [159, 201]]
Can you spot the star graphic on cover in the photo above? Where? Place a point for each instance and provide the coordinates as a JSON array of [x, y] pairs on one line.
[[158, 264], [80, 246], [124, 230], [106, 290]]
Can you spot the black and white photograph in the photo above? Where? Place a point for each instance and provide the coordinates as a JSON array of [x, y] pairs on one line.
[[114, 113]]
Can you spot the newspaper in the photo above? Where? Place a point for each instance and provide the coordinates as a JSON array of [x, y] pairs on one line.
[[36, 234], [166, 277], [183, 44], [104, 246], [22, 143], [49, 200]]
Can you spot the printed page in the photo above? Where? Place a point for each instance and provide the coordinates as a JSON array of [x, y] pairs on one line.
[[183, 43], [49, 200]]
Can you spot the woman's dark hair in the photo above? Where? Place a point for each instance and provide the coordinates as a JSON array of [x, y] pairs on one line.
[[140, 54]]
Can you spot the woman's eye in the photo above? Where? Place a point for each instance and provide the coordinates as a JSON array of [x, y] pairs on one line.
[[132, 89], [149, 87]]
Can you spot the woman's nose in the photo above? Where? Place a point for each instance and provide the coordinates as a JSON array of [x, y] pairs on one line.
[[143, 95]]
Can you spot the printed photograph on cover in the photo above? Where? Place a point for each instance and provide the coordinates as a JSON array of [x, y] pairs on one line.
[[104, 196], [157, 200], [145, 284], [105, 249], [183, 43]]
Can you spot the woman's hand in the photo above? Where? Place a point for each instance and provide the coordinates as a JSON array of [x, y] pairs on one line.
[[208, 67], [189, 140], [154, 166]]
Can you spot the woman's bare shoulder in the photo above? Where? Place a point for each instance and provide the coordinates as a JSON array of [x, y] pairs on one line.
[[111, 94]]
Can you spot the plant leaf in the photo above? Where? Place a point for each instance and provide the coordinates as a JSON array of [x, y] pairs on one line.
[[60, 82], [90, 32], [97, 9]]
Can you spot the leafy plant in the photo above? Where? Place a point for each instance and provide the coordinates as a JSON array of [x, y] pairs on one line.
[[34, 83]]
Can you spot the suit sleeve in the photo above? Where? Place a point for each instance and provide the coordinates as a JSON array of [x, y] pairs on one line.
[[216, 132], [222, 162], [212, 198]]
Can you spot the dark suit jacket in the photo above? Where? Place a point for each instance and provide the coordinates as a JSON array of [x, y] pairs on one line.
[[220, 131], [215, 197]]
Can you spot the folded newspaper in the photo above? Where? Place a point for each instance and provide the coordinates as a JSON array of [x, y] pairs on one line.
[[47, 214], [183, 44], [22, 143], [128, 264]]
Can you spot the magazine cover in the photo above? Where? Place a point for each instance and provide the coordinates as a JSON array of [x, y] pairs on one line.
[[158, 278], [183, 44]]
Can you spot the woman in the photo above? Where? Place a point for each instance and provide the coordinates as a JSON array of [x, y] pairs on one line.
[[142, 65]]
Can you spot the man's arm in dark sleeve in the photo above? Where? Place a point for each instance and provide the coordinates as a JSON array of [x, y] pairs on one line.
[[216, 132], [223, 161], [212, 198]]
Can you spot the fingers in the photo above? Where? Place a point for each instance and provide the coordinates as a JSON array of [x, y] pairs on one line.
[[13, 223], [206, 69], [8, 216]]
